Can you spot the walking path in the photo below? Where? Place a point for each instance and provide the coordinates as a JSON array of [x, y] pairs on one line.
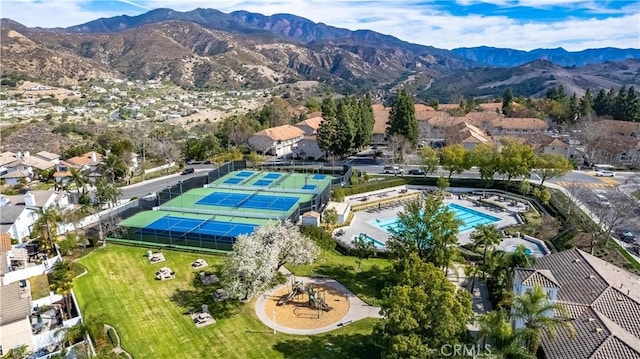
[[358, 309], [117, 349]]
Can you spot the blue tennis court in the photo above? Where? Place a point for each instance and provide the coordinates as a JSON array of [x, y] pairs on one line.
[[262, 183], [309, 186], [244, 174], [234, 180], [206, 227], [319, 177], [250, 201], [272, 175]]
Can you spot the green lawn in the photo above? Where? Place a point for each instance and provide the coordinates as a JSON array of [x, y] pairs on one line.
[[39, 286], [150, 315], [366, 284]]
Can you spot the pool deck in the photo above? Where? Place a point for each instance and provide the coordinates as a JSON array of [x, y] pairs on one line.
[[361, 219]]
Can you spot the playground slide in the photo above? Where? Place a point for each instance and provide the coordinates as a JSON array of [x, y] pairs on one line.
[[287, 298]]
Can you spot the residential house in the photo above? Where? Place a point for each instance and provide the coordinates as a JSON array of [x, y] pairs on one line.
[[22, 168], [87, 163], [19, 212], [615, 150], [543, 143], [381, 117], [517, 127], [276, 141], [467, 135], [622, 128], [308, 148], [602, 302], [311, 124]]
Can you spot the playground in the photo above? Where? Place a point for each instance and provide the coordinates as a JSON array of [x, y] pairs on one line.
[[311, 305]]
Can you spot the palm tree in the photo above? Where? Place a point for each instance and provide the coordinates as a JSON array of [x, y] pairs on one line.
[[471, 271], [90, 327], [486, 235], [520, 259], [114, 166], [539, 315], [46, 227], [79, 178], [495, 329], [62, 282]]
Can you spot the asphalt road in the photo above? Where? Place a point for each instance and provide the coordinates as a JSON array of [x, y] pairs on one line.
[[157, 184]]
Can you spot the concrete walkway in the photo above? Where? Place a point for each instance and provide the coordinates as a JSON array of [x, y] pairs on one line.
[[358, 309]]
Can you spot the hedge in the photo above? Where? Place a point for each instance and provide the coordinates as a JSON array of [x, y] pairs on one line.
[[374, 186]]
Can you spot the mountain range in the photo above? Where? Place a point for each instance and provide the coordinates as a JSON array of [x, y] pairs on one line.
[[206, 49]]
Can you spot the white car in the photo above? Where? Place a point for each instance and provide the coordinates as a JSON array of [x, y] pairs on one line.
[[604, 174]]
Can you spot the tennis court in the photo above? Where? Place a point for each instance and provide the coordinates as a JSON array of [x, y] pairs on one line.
[[249, 201], [206, 227], [273, 180]]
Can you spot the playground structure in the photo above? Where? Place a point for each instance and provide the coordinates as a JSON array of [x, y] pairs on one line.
[[317, 300], [297, 289]]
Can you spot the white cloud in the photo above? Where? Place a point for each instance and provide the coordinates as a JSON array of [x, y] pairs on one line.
[[407, 20]]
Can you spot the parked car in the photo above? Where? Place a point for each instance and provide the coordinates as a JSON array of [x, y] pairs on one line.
[[626, 236], [416, 172], [206, 162], [604, 174], [392, 170], [188, 171]]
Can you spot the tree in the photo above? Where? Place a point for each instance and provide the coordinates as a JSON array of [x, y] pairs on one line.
[[631, 109], [442, 184], [345, 126], [200, 149], [539, 315], [573, 109], [337, 194], [364, 124], [113, 166], [363, 248], [327, 132], [421, 311], [254, 158], [427, 228], [586, 104], [516, 159], [107, 193], [485, 158], [45, 228], [486, 236], [507, 97], [402, 118], [252, 265], [551, 165], [399, 146], [471, 270], [455, 159], [330, 217], [429, 159], [78, 178], [496, 330], [61, 282]]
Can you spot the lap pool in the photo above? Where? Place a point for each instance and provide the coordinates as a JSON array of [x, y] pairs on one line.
[[470, 218]]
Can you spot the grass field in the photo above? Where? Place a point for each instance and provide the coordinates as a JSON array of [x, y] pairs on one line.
[[366, 284], [150, 315], [39, 286]]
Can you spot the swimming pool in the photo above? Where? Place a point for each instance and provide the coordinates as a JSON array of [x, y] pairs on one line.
[[376, 242], [527, 251], [470, 218]]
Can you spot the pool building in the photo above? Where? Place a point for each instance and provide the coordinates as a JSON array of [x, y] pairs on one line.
[[237, 203]]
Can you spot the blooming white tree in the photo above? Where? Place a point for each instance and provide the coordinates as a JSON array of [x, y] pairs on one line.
[[256, 258]]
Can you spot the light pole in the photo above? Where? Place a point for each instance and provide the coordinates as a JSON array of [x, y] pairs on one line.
[[274, 322]]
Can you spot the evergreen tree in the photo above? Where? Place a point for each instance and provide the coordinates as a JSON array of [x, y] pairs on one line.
[[619, 104], [507, 97], [327, 130], [600, 104], [402, 118], [345, 126], [611, 102], [632, 106], [364, 122], [586, 104], [573, 109]]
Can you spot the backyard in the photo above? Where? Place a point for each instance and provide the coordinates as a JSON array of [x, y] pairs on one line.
[[152, 316]]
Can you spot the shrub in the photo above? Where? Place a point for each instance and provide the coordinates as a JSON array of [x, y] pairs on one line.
[[321, 237], [374, 186], [337, 195]]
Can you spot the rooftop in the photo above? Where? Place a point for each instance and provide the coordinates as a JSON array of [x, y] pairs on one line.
[[602, 299], [281, 133]]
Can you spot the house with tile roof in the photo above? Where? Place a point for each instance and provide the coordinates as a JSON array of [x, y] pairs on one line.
[[543, 143], [311, 124], [467, 135], [276, 141], [602, 301]]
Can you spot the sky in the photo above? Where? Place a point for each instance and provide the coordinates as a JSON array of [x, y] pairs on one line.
[[520, 24]]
